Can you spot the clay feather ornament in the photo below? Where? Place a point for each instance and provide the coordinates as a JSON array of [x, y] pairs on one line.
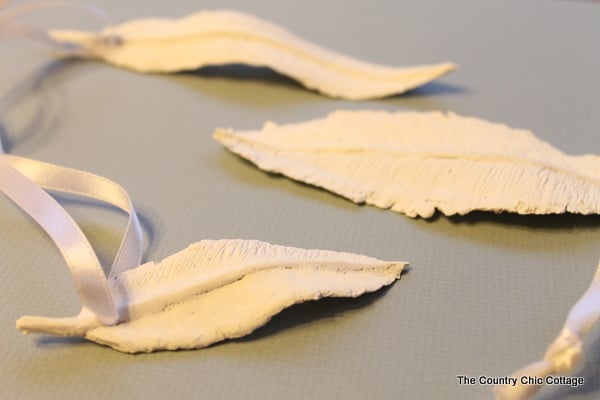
[[418, 162], [211, 291], [220, 37], [216, 290]]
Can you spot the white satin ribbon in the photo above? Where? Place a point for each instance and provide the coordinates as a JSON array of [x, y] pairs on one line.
[[10, 26], [22, 180], [565, 352]]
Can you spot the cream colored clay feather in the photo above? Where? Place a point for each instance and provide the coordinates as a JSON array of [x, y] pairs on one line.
[[231, 37], [417, 162], [215, 290]]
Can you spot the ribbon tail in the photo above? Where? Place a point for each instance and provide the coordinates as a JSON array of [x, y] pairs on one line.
[[565, 352]]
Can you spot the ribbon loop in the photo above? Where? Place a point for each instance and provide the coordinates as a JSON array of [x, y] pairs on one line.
[[81, 259], [10, 26], [80, 183], [22, 180]]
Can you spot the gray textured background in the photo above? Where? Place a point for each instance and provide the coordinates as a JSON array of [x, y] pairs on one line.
[[486, 295]]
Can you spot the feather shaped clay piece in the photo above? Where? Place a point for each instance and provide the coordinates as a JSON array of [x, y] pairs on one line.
[[215, 290], [417, 162], [230, 37]]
